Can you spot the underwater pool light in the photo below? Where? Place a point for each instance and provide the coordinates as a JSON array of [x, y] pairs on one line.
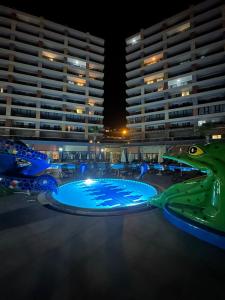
[[88, 181]]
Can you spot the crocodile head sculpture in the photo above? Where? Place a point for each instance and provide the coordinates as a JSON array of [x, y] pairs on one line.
[[200, 199]]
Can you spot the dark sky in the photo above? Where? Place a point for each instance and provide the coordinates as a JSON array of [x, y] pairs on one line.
[[112, 21]]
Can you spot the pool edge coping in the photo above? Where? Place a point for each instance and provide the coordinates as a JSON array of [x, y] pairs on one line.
[[48, 201]]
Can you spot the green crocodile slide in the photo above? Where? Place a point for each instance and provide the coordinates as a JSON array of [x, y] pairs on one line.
[[197, 205]]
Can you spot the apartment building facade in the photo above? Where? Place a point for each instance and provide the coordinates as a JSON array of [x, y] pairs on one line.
[[176, 75], [51, 79]]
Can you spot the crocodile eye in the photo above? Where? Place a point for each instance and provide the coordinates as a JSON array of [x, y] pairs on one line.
[[194, 150]]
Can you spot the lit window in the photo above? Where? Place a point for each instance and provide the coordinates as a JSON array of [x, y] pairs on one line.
[[153, 59], [70, 82], [1, 90], [180, 28], [80, 83], [160, 88], [201, 122], [150, 81], [154, 78], [134, 40], [79, 110], [76, 62], [91, 102], [185, 93], [50, 56], [180, 81], [216, 136]]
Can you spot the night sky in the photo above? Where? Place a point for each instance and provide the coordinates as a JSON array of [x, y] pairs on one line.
[[113, 22]]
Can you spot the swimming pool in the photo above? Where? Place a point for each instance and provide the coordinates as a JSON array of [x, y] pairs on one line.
[[103, 195]]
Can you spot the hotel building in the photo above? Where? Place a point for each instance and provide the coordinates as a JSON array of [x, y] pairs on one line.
[[51, 79], [176, 75]]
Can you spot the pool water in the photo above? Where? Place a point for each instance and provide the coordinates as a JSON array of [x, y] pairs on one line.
[[104, 193]]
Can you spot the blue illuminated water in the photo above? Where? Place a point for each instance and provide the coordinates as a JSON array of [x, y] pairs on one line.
[[104, 193]]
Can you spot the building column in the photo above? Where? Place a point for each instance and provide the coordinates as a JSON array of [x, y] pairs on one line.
[[64, 109], [8, 122]]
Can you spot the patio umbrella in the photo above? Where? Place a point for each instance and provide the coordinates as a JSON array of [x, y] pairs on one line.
[[111, 157], [130, 157], [123, 158], [100, 156], [88, 156], [136, 156], [80, 156]]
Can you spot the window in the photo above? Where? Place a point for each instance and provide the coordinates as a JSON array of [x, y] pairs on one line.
[[153, 59], [1, 90], [185, 93], [204, 110], [51, 56], [76, 62], [216, 136], [79, 111], [150, 81], [154, 78], [91, 102], [160, 88], [201, 122], [179, 81], [178, 29], [217, 108], [134, 40]]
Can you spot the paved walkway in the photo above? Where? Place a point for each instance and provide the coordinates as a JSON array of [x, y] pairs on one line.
[[45, 254]]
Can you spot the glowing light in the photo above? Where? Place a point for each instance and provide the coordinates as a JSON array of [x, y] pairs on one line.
[[79, 111], [88, 181], [60, 149]]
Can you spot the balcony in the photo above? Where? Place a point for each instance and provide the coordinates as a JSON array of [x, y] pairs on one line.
[[23, 113], [183, 125], [174, 106], [180, 114], [49, 116]]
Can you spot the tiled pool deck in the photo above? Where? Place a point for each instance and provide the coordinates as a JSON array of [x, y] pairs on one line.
[[50, 255]]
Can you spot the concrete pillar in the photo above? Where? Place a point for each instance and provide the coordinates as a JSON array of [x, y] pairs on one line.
[[10, 68], [86, 131], [38, 111], [8, 106], [37, 129]]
